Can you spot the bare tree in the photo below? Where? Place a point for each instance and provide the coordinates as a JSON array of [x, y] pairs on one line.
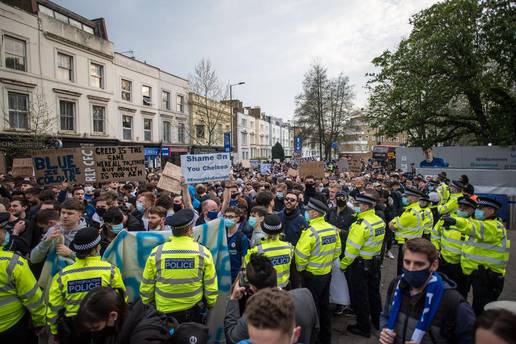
[[212, 114]]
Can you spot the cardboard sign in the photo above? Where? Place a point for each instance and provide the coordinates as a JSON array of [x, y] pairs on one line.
[[342, 165], [246, 164], [293, 173], [122, 163], [355, 165], [22, 167], [311, 168], [265, 168], [203, 168], [55, 166], [170, 179]]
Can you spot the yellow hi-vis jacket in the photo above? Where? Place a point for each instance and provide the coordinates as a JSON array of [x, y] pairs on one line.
[[317, 248], [486, 246], [409, 224], [280, 254], [449, 241], [365, 238], [70, 285], [427, 218], [443, 191], [178, 274], [18, 291], [451, 206]]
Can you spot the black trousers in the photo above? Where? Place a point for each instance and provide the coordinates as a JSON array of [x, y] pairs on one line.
[[363, 278], [319, 286], [399, 266], [487, 287], [19, 333], [194, 314], [454, 272]]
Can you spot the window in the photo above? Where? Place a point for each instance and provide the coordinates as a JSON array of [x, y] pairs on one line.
[[199, 131], [61, 17], [147, 129], [127, 127], [15, 53], [64, 67], [67, 115], [96, 75], [180, 103], [127, 87], [167, 130], [147, 95], [244, 123], [18, 110], [46, 10], [181, 133], [75, 23], [88, 29], [165, 97], [244, 139], [99, 118]]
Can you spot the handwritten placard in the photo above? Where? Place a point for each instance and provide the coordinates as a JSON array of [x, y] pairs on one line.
[[55, 166], [124, 163], [311, 168]]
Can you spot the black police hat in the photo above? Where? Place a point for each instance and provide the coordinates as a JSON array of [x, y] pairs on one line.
[[458, 184], [488, 202], [443, 176], [363, 198], [315, 204], [467, 201], [181, 219], [85, 239], [272, 224], [413, 192], [341, 194]]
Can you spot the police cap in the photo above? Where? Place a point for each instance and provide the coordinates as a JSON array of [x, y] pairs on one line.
[[85, 239], [182, 219], [317, 205], [413, 192], [458, 184], [272, 224], [467, 201], [488, 202], [367, 199]]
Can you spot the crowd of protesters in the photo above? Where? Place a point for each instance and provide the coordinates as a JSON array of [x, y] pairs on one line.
[[283, 235]]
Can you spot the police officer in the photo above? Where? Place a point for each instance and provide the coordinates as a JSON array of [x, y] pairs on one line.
[[485, 253], [70, 285], [317, 248], [449, 207], [426, 215], [19, 292], [180, 273], [362, 262], [451, 242], [279, 252], [442, 189], [409, 224]]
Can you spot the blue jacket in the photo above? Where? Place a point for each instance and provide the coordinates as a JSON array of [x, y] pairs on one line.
[[293, 224]]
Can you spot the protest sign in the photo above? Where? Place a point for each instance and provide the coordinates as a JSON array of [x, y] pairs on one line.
[[22, 167], [246, 164], [265, 168], [55, 166], [293, 173], [170, 179], [355, 165], [342, 165], [202, 168], [311, 168], [119, 163]]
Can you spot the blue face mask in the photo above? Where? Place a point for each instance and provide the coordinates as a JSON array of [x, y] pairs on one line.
[[480, 214], [252, 221], [431, 188], [117, 228], [307, 216], [279, 195], [88, 197], [356, 210], [212, 215], [139, 206], [462, 213], [229, 223], [404, 200], [416, 279], [6, 239]]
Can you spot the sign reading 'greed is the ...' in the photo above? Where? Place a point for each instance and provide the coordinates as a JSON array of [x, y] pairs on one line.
[[123, 163]]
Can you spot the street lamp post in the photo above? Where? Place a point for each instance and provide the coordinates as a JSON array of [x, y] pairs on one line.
[[233, 111]]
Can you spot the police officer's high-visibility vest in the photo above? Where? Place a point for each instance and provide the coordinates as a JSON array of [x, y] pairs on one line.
[[317, 248], [450, 242], [178, 274], [427, 219], [486, 246], [18, 291], [408, 225], [280, 254], [451, 206], [444, 193], [365, 238], [70, 285]]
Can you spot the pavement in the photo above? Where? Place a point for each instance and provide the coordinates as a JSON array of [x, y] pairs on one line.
[[340, 336]]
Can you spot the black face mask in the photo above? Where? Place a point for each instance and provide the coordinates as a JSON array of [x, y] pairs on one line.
[[100, 211], [102, 335], [177, 207], [341, 203]]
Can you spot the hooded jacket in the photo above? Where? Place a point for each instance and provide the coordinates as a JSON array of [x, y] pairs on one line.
[[293, 224]]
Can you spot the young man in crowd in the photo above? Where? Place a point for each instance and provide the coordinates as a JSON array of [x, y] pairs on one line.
[[238, 244]]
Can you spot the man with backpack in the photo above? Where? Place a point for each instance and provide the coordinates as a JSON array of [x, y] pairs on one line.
[[238, 243]]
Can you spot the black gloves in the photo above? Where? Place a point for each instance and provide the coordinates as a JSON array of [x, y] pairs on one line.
[[449, 221]]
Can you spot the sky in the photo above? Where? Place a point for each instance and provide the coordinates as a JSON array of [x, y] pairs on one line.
[[268, 44]]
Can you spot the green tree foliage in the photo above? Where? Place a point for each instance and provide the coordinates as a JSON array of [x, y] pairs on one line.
[[453, 79], [277, 152]]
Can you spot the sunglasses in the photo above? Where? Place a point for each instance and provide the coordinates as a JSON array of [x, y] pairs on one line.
[[290, 199]]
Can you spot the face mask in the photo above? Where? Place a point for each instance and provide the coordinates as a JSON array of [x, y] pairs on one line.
[[252, 221], [229, 223], [357, 210], [431, 188], [139, 206], [212, 215], [279, 195], [480, 214], [307, 216], [117, 228], [404, 201], [462, 213], [88, 197], [6, 239], [100, 211], [341, 203], [177, 207], [416, 279], [233, 203]]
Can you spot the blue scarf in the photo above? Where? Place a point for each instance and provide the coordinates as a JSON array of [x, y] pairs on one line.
[[434, 292]]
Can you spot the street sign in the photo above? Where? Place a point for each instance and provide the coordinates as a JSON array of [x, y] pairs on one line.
[[227, 142], [298, 144], [334, 145]]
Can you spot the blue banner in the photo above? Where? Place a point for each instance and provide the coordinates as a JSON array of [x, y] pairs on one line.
[[227, 142], [151, 151], [298, 144]]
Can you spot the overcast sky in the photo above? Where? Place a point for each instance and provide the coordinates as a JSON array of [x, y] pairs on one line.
[[269, 44]]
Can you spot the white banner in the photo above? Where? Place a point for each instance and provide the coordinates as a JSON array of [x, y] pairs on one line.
[[202, 168]]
